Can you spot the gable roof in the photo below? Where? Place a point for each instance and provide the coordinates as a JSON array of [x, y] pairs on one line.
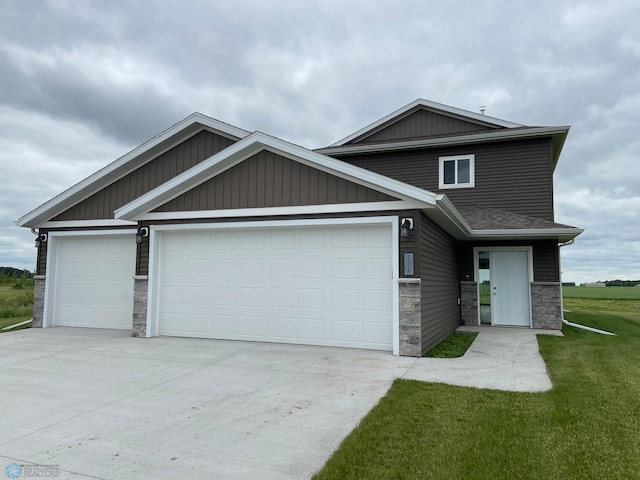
[[129, 162], [249, 146], [429, 105]]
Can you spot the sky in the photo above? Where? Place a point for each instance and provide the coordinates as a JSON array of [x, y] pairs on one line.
[[84, 82]]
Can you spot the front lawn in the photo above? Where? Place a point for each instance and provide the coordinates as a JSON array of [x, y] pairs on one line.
[[586, 427]]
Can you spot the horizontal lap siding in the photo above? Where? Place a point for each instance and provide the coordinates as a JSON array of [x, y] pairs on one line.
[[440, 284], [513, 176], [545, 258], [271, 180], [420, 124], [102, 204]]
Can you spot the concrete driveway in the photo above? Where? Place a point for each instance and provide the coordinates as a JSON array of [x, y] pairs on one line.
[[100, 404]]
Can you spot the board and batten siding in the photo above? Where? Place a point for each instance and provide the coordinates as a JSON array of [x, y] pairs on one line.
[[440, 284], [545, 258], [192, 151], [420, 124], [515, 176], [268, 179]]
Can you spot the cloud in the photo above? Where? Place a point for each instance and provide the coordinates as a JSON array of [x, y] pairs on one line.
[[88, 81]]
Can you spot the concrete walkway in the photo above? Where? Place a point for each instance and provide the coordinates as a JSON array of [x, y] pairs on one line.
[[500, 358], [100, 404]]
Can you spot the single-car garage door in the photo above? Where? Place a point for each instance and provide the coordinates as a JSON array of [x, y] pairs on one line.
[[93, 284], [314, 285]]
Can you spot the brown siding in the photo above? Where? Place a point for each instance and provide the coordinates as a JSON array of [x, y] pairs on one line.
[[545, 258], [440, 285], [514, 176], [419, 124], [271, 180], [192, 151]]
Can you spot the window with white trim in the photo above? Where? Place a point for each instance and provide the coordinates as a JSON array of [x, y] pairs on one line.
[[457, 171]]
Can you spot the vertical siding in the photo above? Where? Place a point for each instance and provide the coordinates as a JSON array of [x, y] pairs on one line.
[[419, 124], [440, 283], [545, 258], [271, 180], [192, 151], [514, 176]]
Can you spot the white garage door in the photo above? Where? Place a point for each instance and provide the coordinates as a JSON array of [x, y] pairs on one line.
[[94, 281], [309, 285]]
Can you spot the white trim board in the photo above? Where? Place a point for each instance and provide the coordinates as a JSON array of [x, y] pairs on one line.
[[273, 211]]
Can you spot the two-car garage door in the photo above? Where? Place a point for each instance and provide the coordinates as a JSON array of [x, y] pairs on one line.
[[317, 285]]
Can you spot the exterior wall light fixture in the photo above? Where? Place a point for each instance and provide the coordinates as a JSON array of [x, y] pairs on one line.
[[40, 239], [406, 225], [140, 234]]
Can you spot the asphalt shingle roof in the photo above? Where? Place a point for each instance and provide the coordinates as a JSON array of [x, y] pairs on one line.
[[492, 219]]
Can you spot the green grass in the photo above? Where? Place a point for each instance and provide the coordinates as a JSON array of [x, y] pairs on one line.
[[610, 293], [16, 304], [586, 427], [454, 346]]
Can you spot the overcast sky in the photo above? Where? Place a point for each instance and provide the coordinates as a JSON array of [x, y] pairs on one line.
[[84, 82]]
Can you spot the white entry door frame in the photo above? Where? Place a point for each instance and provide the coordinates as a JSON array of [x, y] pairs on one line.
[[509, 289]]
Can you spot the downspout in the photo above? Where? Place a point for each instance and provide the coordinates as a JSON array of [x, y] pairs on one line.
[[36, 233], [566, 322]]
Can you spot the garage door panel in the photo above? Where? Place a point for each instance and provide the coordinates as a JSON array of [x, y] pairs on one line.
[[316, 286], [93, 281]]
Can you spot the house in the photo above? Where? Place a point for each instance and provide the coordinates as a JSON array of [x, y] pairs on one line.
[[388, 239]]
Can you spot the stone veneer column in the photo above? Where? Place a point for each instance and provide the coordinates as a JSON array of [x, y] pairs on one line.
[[410, 317], [468, 303], [546, 305], [140, 295], [38, 301]]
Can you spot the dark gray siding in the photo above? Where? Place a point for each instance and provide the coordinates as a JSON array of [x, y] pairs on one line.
[[419, 124], [545, 258], [514, 176], [192, 151], [440, 284], [271, 180], [41, 257]]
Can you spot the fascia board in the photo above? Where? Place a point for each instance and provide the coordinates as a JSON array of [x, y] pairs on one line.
[[427, 104], [446, 141], [453, 216], [546, 233], [118, 169], [252, 144]]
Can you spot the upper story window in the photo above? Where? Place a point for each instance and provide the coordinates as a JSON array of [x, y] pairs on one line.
[[457, 171]]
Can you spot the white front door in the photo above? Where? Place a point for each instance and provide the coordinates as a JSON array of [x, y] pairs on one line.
[[510, 297]]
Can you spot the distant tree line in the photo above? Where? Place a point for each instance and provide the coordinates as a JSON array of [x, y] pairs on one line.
[[10, 272]]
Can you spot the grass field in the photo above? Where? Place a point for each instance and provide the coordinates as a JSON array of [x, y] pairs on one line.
[[608, 293], [16, 303], [586, 427]]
